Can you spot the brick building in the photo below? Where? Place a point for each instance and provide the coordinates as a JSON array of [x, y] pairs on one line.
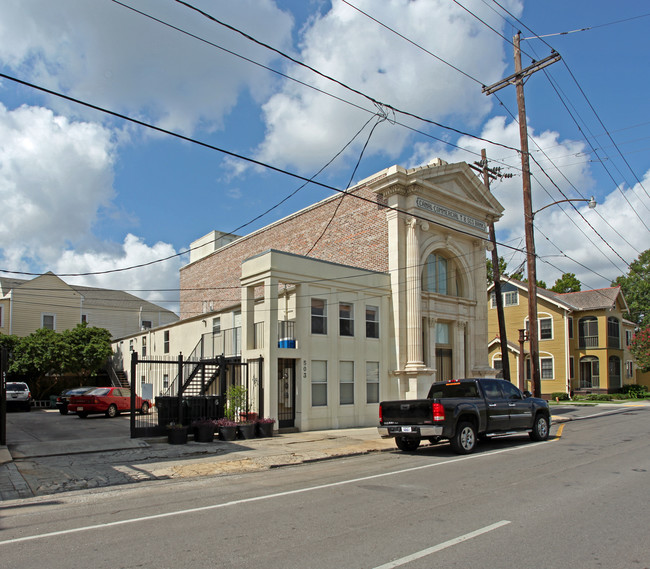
[[363, 296]]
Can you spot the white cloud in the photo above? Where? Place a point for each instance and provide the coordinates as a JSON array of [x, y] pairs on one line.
[[55, 175], [564, 241], [144, 282], [112, 56], [305, 128]]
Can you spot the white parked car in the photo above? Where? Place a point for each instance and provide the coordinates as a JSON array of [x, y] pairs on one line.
[[18, 394]]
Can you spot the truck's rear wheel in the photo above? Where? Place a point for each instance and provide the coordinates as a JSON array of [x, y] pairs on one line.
[[407, 444], [464, 441], [540, 428]]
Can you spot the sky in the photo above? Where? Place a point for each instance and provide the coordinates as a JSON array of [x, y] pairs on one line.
[[90, 193]]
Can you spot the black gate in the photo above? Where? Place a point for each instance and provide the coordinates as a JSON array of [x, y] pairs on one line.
[[286, 393], [181, 391], [4, 366]]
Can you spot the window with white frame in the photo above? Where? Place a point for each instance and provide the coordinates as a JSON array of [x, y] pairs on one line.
[[318, 383], [545, 328], [166, 341], [84, 319], [146, 325], [346, 319], [510, 298], [546, 365], [372, 382], [629, 369], [48, 321], [318, 316], [346, 383], [165, 381], [628, 337], [372, 321], [144, 346], [131, 345]]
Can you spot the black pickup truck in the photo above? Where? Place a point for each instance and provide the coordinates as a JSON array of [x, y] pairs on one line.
[[463, 411]]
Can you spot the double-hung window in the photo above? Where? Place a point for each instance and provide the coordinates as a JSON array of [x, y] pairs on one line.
[[346, 383], [319, 383], [346, 319], [372, 321], [318, 316], [546, 329], [372, 382]]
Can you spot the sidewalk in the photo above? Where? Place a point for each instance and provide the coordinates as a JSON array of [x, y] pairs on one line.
[[38, 469]]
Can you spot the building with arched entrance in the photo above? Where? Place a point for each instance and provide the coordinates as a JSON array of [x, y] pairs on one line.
[[370, 294]]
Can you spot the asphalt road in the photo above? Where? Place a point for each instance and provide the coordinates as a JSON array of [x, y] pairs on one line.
[[579, 501]]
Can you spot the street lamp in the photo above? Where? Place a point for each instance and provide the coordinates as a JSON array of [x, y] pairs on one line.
[[533, 338], [591, 202]]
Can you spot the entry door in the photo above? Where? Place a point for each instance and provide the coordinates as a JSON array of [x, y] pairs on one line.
[[286, 392], [443, 364]]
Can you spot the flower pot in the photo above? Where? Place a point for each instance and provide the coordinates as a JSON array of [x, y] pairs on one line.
[[204, 433], [264, 429], [246, 430], [227, 433], [177, 436]]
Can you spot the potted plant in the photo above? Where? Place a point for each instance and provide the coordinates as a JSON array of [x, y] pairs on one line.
[[264, 427], [246, 430], [176, 433], [227, 429], [204, 430]]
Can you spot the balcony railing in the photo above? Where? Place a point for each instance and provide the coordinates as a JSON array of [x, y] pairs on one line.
[[226, 342], [287, 334]]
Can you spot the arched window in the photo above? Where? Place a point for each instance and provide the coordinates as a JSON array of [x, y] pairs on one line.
[[439, 275], [613, 332], [588, 332], [614, 372]]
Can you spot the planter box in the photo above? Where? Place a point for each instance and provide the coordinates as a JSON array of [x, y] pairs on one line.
[[264, 429], [177, 436], [204, 433], [227, 433], [246, 430]]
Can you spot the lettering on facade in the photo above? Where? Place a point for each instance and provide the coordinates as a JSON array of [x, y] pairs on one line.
[[451, 214]]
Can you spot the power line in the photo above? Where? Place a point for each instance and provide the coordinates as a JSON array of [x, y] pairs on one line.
[[336, 81]]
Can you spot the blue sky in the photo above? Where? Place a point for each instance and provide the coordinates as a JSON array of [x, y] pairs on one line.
[[85, 192]]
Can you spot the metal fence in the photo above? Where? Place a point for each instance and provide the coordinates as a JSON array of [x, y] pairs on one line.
[[182, 391]]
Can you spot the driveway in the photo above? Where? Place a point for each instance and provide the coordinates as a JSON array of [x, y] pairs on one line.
[[42, 425]]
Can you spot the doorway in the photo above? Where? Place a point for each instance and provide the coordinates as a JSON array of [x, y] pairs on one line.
[[286, 393]]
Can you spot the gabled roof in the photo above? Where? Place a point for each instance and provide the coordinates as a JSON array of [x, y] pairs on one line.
[[596, 299], [95, 296]]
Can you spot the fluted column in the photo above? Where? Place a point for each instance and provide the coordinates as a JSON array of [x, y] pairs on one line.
[[413, 299]]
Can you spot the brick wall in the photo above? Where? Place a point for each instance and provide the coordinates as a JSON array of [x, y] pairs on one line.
[[357, 236]]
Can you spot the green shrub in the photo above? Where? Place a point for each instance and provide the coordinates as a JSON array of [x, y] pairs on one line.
[[636, 391], [559, 395], [598, 397]]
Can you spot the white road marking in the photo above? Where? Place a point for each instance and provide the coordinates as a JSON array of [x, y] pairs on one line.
[[443, 545], [260, 498]]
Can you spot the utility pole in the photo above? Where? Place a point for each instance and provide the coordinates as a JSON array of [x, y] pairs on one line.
[[518, 80], [496, 276]]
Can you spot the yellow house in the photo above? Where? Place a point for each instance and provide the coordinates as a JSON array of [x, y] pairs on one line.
[[583, 339], [47, 301]]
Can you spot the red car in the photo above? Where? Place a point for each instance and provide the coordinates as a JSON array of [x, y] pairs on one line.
[[108, 400]]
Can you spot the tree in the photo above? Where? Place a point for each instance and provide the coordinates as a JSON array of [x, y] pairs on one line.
[[87, 349], [502, 268], [567, 283], [640, 348], [38, 355], [45, 355], [636, 289]]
